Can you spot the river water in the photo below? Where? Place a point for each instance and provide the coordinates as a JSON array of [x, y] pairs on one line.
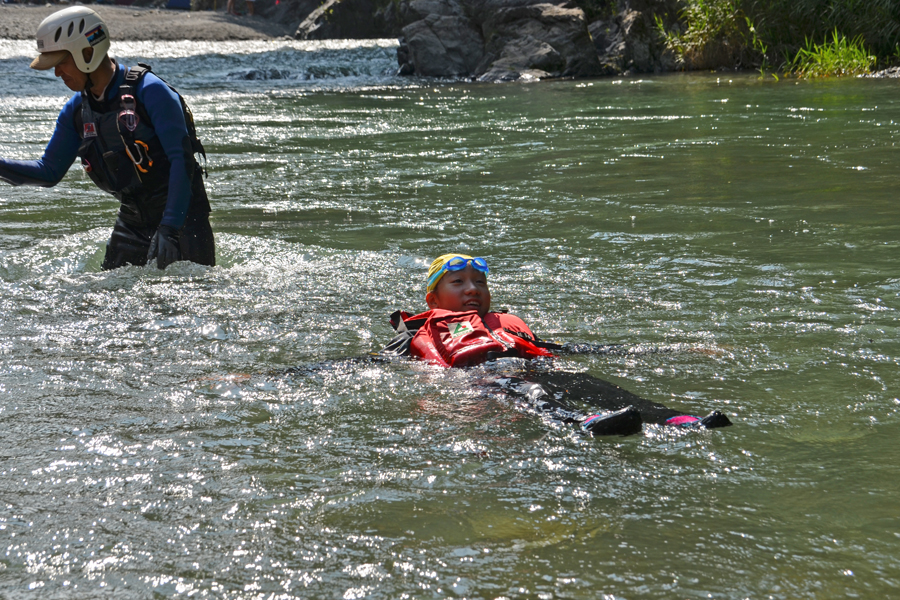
[[154, 446]]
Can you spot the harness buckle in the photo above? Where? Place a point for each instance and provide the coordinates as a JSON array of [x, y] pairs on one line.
[[128, 117]]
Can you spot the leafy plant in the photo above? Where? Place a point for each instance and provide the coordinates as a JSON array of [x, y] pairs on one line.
[[840, 56], [714, 33], [774, 35], [785, 24], [762, 48]]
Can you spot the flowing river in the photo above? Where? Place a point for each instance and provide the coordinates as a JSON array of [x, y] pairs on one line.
[[202, 432]]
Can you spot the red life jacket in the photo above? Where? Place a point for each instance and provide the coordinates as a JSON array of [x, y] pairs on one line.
[[463, 339]]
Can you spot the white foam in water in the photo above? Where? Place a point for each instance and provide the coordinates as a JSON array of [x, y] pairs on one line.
[[315, 65]]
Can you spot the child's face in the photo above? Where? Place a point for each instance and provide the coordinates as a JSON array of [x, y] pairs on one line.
[[461, 291]]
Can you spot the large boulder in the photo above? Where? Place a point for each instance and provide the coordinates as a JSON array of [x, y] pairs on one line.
[[495, 40], [498, 40], [540, 38], [630, 42], [526, 58], [607, 37], [348, 19], [410, 11], [442, 46]]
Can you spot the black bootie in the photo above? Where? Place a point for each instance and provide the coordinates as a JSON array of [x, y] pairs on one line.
[[622, 422]]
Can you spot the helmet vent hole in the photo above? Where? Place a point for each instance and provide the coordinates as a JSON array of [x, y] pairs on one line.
[[58, 33], [71, 29], [81, 26]]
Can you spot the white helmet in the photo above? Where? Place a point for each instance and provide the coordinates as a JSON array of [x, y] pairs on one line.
[[71, 30]]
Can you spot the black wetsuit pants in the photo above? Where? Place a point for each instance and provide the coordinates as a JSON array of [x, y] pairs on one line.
[[549, 394], [129, 244]]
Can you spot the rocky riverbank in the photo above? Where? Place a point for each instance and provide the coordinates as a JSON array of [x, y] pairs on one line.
[[496, 40], [485, 40], [489, 40], [19, 22]]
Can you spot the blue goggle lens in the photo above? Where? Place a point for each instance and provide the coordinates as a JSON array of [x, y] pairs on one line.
[[458, 263]]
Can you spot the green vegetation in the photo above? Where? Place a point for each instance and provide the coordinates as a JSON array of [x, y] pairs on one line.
[[810, 38], [711, 33], [840, 56]]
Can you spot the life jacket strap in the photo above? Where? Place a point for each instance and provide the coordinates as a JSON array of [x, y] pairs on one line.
[[134, 75]]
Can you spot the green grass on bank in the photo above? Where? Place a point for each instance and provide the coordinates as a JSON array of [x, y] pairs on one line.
[[839, 56], [807, 38]]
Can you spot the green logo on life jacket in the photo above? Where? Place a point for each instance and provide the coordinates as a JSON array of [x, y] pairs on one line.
[[458, 329]]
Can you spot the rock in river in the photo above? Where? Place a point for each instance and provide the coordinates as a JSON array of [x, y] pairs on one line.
[[495, 40]]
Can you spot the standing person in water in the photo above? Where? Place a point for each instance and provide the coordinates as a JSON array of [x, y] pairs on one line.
[[136, 140], [459, 330]]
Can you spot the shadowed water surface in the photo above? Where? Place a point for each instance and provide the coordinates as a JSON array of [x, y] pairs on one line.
[[152, 444]]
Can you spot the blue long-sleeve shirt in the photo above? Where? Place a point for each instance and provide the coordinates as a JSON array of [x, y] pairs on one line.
[[163, 107]]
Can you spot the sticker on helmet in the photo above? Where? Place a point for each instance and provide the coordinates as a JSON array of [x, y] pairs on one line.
[[95, 35], [458, 329]]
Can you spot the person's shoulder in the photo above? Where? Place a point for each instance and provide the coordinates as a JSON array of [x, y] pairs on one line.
[[70, 107], [155, 93], [74, 101], [150, 80]]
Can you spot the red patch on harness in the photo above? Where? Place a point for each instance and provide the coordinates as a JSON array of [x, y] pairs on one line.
[[90, 130]]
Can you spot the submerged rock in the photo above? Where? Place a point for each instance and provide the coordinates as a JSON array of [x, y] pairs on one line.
[[259, 75]]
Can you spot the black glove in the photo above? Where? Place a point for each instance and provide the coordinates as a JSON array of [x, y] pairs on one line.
[[164, 247]]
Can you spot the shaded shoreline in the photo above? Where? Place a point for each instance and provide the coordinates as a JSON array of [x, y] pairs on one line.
[[126, 23], [20, 22]]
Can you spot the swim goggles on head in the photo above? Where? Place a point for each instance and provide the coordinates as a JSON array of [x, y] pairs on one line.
[[458, 263]]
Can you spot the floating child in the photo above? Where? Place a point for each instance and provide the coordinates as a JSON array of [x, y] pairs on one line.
[[460, 330]]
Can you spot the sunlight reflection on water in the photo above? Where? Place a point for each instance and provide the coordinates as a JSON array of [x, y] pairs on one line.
[[209, 431]]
